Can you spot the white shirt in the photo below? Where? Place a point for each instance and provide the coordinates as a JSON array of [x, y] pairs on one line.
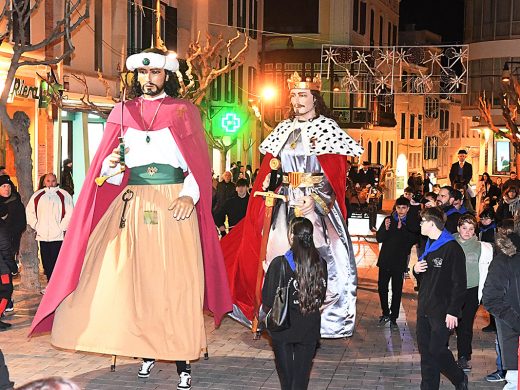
[[162, 149]]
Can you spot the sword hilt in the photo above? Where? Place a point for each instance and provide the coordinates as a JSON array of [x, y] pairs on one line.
[[270, 197]]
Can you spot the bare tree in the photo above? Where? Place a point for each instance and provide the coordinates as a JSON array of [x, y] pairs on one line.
[[509, 104], [14, 17], [205, 62]]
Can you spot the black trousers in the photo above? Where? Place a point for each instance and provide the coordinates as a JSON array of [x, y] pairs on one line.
[[465, 328], [182, 365], [6, 291], [49, 251], [436, 358], [294, 362], [397, 291]]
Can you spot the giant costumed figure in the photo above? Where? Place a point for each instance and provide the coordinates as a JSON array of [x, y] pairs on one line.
[[138, 263], [312, 150]]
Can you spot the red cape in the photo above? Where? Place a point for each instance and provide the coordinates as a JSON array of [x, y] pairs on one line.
[[183, 120], [241, 247]]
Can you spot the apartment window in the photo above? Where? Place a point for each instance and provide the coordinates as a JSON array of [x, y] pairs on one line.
[[394, 36], [419, 126], [403, 125], [251, 80], [283, 16], [369, 151], [240, 91], [229, 85], [386, 151], [230, 13], [216, 87], [381, 24], [412, 126], [253, 19], [98, 35], [363, 18], [389, 33], [372, 21], [378, 152], [391, 152], [355, 15], [17, 19]]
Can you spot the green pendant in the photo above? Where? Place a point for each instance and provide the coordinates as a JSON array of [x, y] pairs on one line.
[[147, 139]]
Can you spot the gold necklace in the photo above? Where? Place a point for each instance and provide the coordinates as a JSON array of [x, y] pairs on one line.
[[147, 139]]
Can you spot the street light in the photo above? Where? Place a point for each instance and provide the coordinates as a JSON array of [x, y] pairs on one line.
[[267, 94], [506, 72]]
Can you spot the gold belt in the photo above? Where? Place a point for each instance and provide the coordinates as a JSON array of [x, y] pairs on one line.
[[301, 179]]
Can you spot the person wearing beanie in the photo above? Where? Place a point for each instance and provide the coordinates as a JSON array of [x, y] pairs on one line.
[[7, 266], [16, 220], [67, 183]]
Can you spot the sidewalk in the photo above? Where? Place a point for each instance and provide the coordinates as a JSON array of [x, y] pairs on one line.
[[374, 358]]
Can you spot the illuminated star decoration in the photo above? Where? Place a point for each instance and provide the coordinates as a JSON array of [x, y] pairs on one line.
[[423, 83], [349, 83], [455, 82], [331, 55]]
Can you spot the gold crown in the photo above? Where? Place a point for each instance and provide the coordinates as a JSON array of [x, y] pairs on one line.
[[295, 81]]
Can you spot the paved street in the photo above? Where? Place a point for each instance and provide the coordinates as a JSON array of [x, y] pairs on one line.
[[374, 358]]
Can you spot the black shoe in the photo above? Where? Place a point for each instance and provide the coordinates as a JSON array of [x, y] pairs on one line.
[[464, 384], [393, 325], [463, 363], [497, 376], [489, 328], [383, 320], [4, 325]]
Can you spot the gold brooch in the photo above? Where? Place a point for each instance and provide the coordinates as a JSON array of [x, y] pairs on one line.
[[152, 170]]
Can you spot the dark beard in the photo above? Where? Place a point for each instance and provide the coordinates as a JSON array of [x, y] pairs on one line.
[[158, 90]]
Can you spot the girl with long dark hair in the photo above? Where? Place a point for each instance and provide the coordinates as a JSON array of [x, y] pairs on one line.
[[306, 275]]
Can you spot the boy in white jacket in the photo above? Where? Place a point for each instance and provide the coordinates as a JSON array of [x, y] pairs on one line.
[[48, 212]]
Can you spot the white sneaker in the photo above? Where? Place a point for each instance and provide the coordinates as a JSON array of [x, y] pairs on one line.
[[184, 381], [146, 368]]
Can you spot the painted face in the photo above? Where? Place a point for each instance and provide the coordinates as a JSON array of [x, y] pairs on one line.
[[5, 190], [50, 181], [302, 102], [466, 231], [151, 81], [401, 210]]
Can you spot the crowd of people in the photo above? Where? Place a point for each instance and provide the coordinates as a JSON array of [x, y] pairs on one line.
[[159, 242]]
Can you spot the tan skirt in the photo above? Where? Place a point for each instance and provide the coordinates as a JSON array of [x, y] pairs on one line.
[[141, 289]]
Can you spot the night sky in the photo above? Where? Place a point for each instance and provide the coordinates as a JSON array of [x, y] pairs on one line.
[[444, 17]]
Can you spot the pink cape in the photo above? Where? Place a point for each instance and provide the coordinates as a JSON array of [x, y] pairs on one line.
[[241, 246], [183, 120]]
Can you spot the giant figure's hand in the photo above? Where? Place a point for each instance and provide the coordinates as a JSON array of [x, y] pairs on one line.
[[265, 183], [182, 207], [115, 157], [306, 204]]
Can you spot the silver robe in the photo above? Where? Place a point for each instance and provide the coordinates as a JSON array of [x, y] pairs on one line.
[[331, 238]]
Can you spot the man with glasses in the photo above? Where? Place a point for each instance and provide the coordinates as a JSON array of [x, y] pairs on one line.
[[441, 270]]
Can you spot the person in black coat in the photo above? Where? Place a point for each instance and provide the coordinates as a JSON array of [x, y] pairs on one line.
[[7, 266], [445, 200], [306, 276], [397, 241], [365, 175], [461, 171], [442, 272], [234, 209], [501, 297], [16, 219], [66, 181], [5, 383]]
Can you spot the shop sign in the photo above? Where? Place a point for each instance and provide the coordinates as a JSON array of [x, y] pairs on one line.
[[22, 90]]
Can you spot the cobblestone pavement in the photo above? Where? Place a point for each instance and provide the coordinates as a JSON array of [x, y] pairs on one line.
[[374, 358]]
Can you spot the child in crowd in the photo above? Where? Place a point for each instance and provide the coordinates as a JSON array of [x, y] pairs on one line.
[[397, 240]]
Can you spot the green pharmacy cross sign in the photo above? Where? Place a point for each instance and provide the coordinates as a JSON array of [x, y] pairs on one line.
[[227, 121], [230, 122]]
